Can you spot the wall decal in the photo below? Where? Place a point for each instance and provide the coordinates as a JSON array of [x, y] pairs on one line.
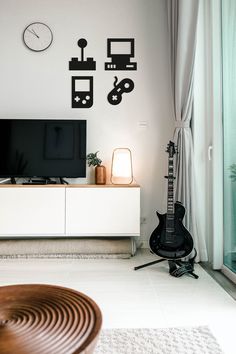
[[115, 95], [76, 64], [120, 50], [82, 91]]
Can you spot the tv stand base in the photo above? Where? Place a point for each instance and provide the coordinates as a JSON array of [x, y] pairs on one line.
[[13, 181], [63, 181], [45, 181], [39, 181]]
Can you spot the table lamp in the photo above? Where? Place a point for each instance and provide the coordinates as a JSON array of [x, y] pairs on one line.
[[121, 167]]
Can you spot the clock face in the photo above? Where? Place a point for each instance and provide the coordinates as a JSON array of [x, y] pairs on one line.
[[37, 36]]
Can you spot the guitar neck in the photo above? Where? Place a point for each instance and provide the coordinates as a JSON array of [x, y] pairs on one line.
[[170, 194]]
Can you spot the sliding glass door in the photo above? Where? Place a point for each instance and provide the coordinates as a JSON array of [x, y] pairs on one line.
[[229, 132]]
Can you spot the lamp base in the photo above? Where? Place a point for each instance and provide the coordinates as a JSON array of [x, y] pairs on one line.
[[121, 180]]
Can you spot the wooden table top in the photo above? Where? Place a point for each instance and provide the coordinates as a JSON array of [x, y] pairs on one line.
[[47, 319]]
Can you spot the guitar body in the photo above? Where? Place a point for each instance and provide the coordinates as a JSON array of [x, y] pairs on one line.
[[171, 242]]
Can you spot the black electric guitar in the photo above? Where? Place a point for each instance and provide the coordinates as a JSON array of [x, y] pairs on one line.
[[171, 240]]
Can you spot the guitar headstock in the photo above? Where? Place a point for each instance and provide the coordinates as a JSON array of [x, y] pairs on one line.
[[171, 149]]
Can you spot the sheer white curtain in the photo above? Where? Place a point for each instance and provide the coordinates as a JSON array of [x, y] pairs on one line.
[[182, 22]]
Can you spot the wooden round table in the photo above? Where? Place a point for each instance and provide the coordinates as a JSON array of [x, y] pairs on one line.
[[47, 319]]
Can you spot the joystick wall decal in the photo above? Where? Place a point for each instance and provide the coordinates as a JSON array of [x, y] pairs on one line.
[[124, 86], [76, 64]]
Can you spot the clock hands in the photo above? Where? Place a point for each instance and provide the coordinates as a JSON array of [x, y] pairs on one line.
[[33, 32]]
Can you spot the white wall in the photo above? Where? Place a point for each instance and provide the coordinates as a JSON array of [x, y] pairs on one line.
[[38, 85]]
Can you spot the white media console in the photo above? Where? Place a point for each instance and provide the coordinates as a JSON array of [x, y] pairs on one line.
[[69, 211]]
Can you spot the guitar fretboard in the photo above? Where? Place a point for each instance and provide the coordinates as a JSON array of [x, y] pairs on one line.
[[170, 197]]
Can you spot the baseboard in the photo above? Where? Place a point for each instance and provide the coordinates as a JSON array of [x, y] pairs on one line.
[[74, 248]]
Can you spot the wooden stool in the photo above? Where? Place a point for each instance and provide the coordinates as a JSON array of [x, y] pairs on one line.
[[46, 319]]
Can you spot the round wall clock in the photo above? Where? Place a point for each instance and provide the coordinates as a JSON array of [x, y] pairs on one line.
[[37, 36]]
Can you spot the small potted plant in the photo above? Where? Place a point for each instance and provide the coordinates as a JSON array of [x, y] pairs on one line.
[[100, 170]]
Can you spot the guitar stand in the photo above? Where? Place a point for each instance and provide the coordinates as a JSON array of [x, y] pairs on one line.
[[177, 268]]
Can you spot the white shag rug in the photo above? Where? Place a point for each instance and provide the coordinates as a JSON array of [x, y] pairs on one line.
[[179, 340]]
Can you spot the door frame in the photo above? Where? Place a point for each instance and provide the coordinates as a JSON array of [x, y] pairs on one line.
[[208, 130], [217, 137]]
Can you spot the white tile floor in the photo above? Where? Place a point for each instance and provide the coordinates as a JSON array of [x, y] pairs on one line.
[[148, 297]]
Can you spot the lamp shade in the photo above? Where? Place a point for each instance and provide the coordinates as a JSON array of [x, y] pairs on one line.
[[121, 167]]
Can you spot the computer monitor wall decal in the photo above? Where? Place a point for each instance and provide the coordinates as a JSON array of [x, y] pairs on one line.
[[120, 50]]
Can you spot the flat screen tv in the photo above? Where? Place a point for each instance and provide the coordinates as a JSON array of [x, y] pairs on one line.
[[42, 148]]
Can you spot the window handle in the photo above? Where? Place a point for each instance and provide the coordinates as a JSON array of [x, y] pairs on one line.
[[210, 147]]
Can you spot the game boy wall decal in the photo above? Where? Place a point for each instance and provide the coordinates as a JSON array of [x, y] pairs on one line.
[[82, 91], [120, 50], [76, 64], [124, 86]]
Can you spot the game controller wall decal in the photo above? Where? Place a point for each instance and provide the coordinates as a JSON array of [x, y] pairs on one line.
[[82, 91], [124, 86]]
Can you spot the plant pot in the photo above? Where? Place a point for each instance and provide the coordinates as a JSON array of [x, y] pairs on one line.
[[100, 174]]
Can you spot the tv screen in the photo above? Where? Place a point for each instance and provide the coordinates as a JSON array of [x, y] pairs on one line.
[[42, 148]]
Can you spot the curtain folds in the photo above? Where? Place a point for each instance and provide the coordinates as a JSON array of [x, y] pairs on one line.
[[182, 24]]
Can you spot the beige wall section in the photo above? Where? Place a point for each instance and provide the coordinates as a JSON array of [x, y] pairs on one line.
[[37, 85]]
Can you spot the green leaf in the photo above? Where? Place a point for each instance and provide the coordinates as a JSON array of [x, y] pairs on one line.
[[93, 160]]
